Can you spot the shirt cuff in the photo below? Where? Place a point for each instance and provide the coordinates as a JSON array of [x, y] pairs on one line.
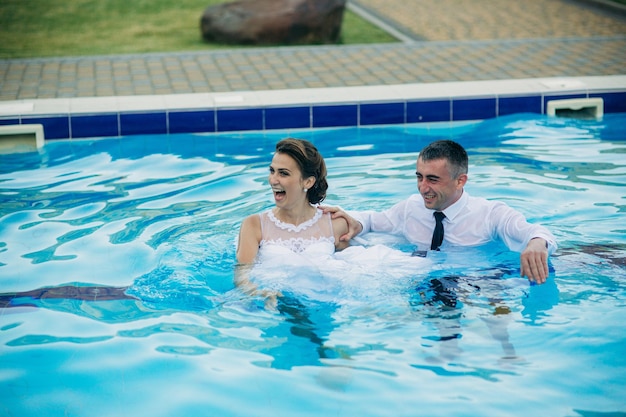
[[550, 242], [362, 218]]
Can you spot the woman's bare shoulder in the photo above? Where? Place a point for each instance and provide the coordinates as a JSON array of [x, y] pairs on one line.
[[253, 221]]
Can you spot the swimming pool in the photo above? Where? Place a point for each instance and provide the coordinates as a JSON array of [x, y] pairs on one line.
[[146, 225]]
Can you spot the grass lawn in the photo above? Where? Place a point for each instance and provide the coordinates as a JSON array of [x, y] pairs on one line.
[[45, 28]]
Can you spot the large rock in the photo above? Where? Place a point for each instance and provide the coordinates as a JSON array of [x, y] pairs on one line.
[[276, 22]]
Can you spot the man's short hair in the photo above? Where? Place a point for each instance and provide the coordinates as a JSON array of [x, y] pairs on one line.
[[450, 150]]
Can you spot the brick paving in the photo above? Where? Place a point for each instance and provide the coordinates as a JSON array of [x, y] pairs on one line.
[[453, 40], [449, 20]]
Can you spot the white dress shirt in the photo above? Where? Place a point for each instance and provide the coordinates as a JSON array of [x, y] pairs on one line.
[[470, 221]]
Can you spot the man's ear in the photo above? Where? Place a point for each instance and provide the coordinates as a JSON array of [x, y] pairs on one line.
[[461, 180]]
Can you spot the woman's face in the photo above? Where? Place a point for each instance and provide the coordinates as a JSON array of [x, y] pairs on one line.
[[286, 181]]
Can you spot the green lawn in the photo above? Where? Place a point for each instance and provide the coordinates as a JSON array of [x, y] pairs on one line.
[[44, 28]]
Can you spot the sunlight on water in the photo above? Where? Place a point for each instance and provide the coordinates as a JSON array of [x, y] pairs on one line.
[[117, 266]]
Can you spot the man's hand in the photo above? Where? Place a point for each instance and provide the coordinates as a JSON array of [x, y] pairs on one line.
[[534, 261], [354, 227]]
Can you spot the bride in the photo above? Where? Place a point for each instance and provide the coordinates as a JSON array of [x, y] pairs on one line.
[[298, 180], [295, 227]]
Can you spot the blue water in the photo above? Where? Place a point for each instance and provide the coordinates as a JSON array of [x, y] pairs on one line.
[[147, 226]]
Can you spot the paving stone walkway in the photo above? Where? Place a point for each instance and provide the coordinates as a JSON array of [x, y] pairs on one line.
[[444, 40]]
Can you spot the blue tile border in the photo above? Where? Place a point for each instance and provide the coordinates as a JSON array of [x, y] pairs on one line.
[[87, 126], [143, 123], [428, 111], [520, 104], [474, 109], [335, 115], [9, 121], [191, 121], [415, 103], [613, 102], [230, 120], [287, 118], [382, 113]]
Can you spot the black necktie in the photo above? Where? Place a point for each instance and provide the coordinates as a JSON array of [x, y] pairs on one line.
[[438, 233]]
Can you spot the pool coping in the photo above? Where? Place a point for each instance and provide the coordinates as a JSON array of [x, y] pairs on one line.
[[78, 118]]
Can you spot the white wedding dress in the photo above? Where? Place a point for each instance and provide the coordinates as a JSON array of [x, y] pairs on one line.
[[302, 259], [313, 239]]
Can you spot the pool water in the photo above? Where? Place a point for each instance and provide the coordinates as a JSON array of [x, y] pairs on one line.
[[117, 266]]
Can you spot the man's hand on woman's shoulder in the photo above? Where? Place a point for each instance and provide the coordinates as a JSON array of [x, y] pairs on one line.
[[354, 227]]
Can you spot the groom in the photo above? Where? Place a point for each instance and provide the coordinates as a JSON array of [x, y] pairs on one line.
[[443, 213]]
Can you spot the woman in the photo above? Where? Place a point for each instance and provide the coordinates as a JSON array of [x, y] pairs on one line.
[[295, 225]]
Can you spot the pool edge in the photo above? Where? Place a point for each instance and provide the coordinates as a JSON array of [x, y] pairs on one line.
[[74, 118]]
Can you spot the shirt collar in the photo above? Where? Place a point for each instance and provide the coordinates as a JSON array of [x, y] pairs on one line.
[[454, 210]]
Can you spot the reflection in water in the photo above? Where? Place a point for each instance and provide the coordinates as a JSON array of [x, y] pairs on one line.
[[32, 298], [441, 302], [302, 328], [305, 328]]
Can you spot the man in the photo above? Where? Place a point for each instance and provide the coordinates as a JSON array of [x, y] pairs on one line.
[[444, 213]]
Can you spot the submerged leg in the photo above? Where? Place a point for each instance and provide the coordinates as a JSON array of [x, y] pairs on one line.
[[305, 337]]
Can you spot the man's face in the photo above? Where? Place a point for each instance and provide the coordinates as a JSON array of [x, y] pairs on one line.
[[436, 185]]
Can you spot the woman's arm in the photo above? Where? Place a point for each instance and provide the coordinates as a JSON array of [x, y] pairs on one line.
[[243, 282], [249, 239]]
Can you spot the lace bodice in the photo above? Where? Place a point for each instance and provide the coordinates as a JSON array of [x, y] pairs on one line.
[[314, 235]]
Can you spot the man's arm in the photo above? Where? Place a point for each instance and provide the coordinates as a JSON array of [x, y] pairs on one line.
[[534, 260], [534, 242], [389, 221]]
